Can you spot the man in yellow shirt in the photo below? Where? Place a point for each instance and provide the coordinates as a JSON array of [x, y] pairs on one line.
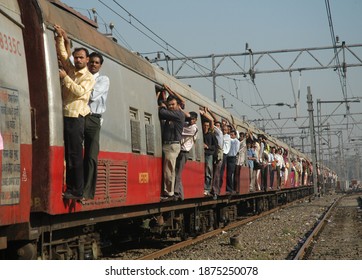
[[77, 85]]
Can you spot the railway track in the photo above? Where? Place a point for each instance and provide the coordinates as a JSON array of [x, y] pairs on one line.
[[332, 231], [338, 235], [151, 251], [183, 244]]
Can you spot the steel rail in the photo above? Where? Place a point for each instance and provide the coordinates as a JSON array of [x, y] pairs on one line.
[[318, 228], [215, 232]]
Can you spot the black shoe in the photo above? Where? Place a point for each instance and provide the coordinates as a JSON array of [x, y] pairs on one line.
[[167, 198], [69, 195], [68, 191]]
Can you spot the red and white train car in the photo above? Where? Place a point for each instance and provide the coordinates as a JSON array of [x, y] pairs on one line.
[[35, 221]]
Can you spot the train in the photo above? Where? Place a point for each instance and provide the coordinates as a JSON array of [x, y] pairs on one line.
[[35, 221]]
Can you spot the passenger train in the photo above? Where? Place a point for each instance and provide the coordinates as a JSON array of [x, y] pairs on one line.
[[35, 221]]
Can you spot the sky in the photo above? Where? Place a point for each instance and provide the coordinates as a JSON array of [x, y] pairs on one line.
[[204, 27]]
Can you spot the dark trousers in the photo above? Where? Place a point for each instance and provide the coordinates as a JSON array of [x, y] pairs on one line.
[[279, 179], [272, 171], [180, 164], [216, 179], [208, 172], [222, 171], [92, 129], [264, 176], [237, 178], [230, 173], [73, 149]]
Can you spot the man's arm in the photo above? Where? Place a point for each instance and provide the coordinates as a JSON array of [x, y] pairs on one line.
[[204, 112], [211, 113], [182, 101], [61, 48], [66, 43]]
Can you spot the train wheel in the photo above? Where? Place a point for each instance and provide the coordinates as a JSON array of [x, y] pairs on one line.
[[27, 252]]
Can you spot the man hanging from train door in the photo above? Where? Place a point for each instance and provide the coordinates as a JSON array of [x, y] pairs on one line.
[[93, 123], [189, 135], [174, 119], [77, 84]]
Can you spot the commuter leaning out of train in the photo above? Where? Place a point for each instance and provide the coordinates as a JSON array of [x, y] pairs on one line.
[[212, 178], [278, 157], [93, 123], [226, 148], [251, 157], [174, 119], [231, 162], [188, 139], [77, 84], [240, 160], [210, 149]]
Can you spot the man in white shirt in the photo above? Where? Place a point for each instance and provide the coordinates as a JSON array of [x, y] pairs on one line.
[[240, 160], [188, 138], [279, 164], [231, 162], [272, 166], [93, 122], [226, 149]]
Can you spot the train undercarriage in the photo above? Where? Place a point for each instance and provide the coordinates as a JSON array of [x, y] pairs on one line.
[[88, 235]]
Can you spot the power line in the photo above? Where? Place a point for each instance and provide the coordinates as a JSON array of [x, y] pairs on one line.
[[276, 126], [119, 36], [341, 75], [168, 46]]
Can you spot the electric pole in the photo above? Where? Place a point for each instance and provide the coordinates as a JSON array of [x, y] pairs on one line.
[[312, 140]]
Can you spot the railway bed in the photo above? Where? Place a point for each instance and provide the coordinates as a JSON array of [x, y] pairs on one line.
[[268, 236], [340, 237]]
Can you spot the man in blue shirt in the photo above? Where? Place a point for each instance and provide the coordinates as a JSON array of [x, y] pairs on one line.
[[174, 120]]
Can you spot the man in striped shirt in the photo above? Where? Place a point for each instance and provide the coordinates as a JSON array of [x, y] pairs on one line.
[[77, 84]]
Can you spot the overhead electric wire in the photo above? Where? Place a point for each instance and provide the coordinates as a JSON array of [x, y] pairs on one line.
[[168, 46], [355, 122], [164, 41], [197, 67], [123, 39], [153, 33], [333, 37], [257, 90], [167, 49], [155, 41]]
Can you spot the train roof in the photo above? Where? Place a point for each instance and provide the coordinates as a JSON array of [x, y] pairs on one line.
[[85, 30]]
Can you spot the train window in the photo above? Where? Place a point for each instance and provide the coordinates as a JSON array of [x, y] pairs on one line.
[[135, 130], [148, 118], [150, 134], [133, 114]]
